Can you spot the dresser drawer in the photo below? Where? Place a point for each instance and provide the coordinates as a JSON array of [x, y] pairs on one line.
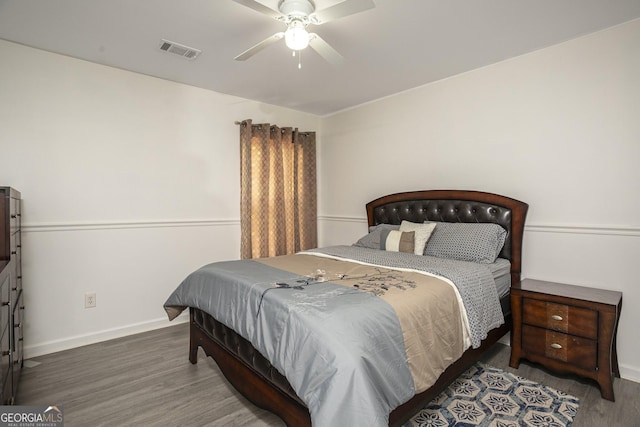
[[4, 302], [16, 255], [5, 355], [14, 215], [15, 247], [567, 348], [560, 317], [16, 286], [18, 343]]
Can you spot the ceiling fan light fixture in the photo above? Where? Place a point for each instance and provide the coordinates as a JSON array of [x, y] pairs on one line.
[[296, 37], [297, 15]]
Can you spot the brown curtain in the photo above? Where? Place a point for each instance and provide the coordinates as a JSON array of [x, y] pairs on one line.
[[278, 210]]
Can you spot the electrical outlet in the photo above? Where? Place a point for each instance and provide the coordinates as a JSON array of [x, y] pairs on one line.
[[89, 300]]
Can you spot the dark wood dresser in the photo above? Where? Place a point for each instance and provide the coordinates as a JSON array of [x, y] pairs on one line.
[[567, 328], [11, 298]]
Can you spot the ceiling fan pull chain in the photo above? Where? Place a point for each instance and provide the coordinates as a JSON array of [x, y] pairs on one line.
[[299, 59]]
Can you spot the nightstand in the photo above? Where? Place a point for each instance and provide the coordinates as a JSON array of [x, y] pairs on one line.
[[567, 328]]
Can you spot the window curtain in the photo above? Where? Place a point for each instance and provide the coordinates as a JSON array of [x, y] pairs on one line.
[[278, 208]]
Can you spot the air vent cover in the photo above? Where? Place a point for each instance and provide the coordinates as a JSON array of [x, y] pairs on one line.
[[180, 49]]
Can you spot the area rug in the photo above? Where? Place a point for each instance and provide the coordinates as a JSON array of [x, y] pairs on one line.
[[490, 397]]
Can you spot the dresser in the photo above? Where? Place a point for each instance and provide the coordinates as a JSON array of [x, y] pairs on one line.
[[11, 298], [567, 328]]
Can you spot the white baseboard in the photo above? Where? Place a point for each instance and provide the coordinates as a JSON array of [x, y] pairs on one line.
[[100, 336], [630, 373]]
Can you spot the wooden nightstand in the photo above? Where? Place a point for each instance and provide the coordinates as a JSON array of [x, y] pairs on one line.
[[567, 328]]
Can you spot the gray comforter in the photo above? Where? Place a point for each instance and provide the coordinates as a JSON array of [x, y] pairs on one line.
[[341, 346], [474, 282]]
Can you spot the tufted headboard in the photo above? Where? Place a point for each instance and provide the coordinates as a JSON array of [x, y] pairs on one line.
[[457, 206]]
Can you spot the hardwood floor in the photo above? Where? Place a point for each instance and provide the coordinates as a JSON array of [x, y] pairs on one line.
[[142, 380], [147, 380]]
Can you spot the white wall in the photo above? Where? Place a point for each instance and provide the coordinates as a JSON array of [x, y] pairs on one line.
[[129, 183], [557, 128]]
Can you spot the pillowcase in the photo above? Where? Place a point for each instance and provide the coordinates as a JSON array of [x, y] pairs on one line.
[[423, 232], [372, 240], [397, 241], [473, 242]]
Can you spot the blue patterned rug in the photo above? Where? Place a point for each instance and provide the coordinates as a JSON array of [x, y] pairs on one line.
[[489, 397]]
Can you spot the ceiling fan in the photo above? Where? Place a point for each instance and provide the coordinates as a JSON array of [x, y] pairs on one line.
[[297, 15]]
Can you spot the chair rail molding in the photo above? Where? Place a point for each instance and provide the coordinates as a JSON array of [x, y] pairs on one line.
[[114, 225], [611, 230]]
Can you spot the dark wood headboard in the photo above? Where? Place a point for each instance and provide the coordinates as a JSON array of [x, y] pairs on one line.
[[457, 206]]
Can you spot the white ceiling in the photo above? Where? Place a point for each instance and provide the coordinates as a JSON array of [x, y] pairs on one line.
[[398, 45]]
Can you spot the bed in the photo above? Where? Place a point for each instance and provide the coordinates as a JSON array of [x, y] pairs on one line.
[[255, 375]]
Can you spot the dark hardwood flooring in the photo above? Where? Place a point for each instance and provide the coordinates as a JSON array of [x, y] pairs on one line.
[[147, 380]]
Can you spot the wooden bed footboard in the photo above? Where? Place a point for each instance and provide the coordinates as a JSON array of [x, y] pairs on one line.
[[246, 369], [258, 381]]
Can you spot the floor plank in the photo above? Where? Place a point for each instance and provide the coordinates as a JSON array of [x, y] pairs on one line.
[[146, 379]]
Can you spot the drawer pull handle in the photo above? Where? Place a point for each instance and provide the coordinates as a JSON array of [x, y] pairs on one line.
[[556, 317], [556, 346]]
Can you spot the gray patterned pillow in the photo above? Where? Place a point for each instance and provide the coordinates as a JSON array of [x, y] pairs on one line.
[[473, 242], [372, 240]]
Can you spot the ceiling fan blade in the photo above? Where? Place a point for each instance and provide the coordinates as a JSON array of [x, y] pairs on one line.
[[257, 48], [259, 7], [325, 50], [340, 10]]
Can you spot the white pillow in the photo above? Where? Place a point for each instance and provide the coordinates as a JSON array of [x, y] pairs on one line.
[[423, 232]]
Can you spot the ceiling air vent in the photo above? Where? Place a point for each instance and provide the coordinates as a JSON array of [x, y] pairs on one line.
[[179, 49]]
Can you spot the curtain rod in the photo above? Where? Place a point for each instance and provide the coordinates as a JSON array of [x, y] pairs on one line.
[[244, 123]]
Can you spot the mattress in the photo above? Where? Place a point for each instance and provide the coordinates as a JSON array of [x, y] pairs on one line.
[[501, 271]]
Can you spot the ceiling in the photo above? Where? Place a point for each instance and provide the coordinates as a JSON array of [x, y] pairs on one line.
[[398, 45]]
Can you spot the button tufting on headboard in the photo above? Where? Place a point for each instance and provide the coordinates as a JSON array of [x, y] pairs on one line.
[[453, 206]]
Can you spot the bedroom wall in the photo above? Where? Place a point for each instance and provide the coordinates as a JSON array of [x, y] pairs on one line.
[[129, 183], [557, 128]]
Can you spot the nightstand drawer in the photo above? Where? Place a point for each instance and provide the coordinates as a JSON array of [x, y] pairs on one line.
[[560, 317], [567, 348]]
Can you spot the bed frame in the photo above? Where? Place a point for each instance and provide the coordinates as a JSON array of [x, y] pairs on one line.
[[254, 377]]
